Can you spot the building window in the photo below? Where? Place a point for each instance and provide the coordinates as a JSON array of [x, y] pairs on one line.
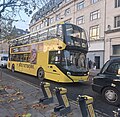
[[80, 5], [67, 11], [40, 26], [37, 27], [58, 17], [51, 20], [94, 1], [95, 15], [116, 49], [46, 22], [34, 29], [117, 21], [31, 29], [80, 20], [94, 32], [117, 3]]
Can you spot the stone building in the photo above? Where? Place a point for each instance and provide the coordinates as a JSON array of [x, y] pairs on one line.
[[4, 46], [112, 33]]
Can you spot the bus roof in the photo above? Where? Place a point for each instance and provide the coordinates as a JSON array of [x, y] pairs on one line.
[[41, 30]]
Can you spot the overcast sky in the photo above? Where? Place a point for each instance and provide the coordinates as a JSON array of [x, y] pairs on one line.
[[23, 23]]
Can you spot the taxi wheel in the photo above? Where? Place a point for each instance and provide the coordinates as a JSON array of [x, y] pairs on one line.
[[13, 68], [40, 74], [111, 95]]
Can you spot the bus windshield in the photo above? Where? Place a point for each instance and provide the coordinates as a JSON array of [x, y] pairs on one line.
[[73, 61], [75, 36]]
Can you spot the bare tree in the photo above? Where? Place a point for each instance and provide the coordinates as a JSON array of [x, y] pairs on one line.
[[9, 9]]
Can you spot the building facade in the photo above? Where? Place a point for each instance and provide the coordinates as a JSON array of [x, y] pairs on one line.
[[4, 46], [112, 32]]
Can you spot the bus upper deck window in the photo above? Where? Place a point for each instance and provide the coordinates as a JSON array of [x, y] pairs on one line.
[[60, 32]]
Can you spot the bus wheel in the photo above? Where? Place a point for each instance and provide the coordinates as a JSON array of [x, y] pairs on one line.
[[40, 73], [13, 68]]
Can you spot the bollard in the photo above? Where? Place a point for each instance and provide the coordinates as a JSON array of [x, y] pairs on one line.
[[48, 98], [0, 74], [85, 103], [64, 106]]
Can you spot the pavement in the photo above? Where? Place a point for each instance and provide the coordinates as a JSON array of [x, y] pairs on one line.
[[21, 99]]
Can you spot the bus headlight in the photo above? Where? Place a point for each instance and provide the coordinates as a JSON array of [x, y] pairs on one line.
[[68, 73]]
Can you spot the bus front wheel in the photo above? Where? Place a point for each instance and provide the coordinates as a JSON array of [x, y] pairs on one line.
[[40, 73]]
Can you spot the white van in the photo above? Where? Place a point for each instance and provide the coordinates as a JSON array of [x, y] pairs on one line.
[[3, 60]]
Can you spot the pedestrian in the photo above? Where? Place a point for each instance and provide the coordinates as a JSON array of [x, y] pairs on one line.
[[94, 66], [89, 64]]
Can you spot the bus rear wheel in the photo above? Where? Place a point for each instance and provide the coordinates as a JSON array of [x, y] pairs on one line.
[[40, 74], [13, 68]]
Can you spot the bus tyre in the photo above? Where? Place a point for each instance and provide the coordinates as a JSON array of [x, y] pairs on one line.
[[40, 73], [13, 68], [111, 95]]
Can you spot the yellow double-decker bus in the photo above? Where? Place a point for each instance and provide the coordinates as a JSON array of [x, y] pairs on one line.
[[56, 53]]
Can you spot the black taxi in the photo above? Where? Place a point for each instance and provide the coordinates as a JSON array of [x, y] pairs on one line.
[[107, 82]]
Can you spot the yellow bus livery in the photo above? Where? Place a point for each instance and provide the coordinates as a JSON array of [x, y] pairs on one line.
[[57, 53]]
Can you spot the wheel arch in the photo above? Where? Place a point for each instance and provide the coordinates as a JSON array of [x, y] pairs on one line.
[[106, 87], [13, 65]]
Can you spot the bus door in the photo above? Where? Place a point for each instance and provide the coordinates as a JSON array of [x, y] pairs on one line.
[[54, 58]]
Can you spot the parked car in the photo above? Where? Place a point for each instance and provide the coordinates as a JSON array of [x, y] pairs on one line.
[[3, 60], [107, 82]]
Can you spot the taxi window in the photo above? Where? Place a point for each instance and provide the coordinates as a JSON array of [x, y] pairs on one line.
[[113, 68]]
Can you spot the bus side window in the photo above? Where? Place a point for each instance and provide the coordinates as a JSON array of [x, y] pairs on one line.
[[59, 31], [27, 57], [52, 32], [21, 57], [54, 57]]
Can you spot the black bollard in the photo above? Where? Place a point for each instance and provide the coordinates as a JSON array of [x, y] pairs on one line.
[[48, 98], [85, 103], [64, 106]]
